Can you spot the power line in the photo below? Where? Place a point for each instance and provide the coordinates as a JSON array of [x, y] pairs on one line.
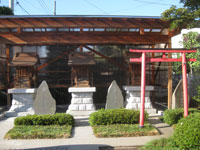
[[22, 8], [95, 6], [147, 3], [32, 4], [155, 3], [46, 6], [43, 7]]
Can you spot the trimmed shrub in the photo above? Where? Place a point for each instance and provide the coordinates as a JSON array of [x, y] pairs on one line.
[[115, 116], [187, 132], [56, 119], [172, 116]]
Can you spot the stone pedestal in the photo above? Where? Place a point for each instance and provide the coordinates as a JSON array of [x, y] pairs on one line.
[[22, 102], [82, 101], [133, 98]]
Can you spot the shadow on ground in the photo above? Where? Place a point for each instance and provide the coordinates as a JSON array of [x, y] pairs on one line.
[[83, 147]]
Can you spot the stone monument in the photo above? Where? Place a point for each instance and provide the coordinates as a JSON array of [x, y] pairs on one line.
[[133, 95], [114, 97], [177, 96], [22, 102], [44, 103]]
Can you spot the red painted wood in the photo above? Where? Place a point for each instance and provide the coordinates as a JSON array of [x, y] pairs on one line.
[[160, 59], [143, 84], [185, 90], [163, 50]]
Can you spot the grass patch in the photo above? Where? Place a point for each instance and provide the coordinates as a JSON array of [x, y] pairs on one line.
[[39, 132], [160, 144], [124, 130]]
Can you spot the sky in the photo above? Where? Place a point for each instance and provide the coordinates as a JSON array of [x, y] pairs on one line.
[[92, 7]]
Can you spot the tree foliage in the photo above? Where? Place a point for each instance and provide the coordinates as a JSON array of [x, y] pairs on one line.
[[188, 16], [5, 11], [190, 40]]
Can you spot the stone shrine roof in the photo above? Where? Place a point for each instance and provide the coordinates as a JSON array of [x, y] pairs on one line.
[[81, 58], [25, 59]]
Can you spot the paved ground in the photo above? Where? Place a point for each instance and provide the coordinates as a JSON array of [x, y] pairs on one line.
[[82, 138]]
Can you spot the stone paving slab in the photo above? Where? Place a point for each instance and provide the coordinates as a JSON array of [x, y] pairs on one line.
[[82, 138]]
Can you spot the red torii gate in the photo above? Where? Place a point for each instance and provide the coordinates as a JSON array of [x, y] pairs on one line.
[[143, 60]]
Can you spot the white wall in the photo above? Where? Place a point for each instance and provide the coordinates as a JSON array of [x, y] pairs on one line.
[[178, 39]]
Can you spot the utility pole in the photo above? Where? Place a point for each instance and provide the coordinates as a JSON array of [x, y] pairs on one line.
[[54, 11], [11, 5]]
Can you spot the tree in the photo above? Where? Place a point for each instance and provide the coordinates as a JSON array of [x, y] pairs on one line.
[[190, 40], [5, 11], [188, 16]]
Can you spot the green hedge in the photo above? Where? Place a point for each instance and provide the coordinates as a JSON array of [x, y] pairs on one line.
[[172, 116], [56, 119], [187, 132], [115, 116]]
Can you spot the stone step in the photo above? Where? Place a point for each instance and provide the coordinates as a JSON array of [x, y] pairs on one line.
[[2, 111], [2, 115], [79, 113]]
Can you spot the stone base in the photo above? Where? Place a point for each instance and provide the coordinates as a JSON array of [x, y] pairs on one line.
[[18, 114], [82, 100], [22, 102], [133, 98], [79, 113]]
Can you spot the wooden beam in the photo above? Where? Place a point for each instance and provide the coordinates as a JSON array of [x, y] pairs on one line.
[[82, 38], [108, 58], [55, 59]]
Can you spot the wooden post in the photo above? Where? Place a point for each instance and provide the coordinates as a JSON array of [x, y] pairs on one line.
[[8, 74], [153, 68], [143, 84], [81, 48], [185, 90], [169, 79], [8, 61]]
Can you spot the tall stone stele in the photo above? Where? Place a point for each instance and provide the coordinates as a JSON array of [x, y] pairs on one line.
[[114, 97], [44, 103], [177, 96]]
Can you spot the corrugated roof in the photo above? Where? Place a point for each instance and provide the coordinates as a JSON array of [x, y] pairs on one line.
[[81, 58], [77, 16], [25, 59]]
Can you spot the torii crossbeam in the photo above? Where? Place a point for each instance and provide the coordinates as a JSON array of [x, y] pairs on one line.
[[143, 61]]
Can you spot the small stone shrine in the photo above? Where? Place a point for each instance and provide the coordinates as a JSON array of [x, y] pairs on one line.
[[81, 80], [44, 103], [114, 97], [133, 94], [24, 64], [23, 93]]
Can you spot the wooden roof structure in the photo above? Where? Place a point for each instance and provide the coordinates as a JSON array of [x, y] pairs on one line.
[[76, 30]]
